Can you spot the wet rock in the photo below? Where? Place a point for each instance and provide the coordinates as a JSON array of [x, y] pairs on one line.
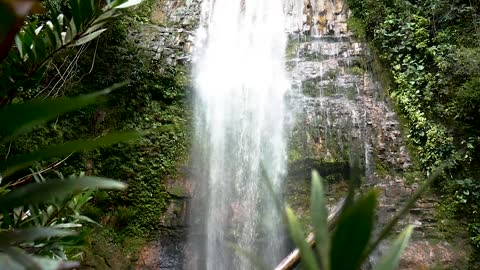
[[165, 253], [425, 255]]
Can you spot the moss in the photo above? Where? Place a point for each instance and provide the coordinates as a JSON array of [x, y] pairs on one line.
[[351, 93], [357, 27], [294, 155], [309, 88], [332, 74], [357, 70], [329, 90], [105, 249], [292, 48], [381, 169]]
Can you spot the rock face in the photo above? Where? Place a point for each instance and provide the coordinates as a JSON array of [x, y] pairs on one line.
[[167, 250], [317, 17], [342, 115], [169, 40], [170, 36]]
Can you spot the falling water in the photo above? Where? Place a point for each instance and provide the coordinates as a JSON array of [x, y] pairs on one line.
[[240, 83]]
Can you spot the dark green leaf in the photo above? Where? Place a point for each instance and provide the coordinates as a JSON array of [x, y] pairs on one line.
[[40, 48], [86, 9], [306, 253], [20, 118], [8, 167], [58, 27], [352, 234], [76, 13], [71, 31], [53, 38], [16, 237], [319, 221], [41, 192]]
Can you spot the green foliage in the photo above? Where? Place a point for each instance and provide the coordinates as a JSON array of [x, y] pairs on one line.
[[474, 229], [431, 48], [153, 99], [43, 218], [357, 26], [35, 45], [37, 217], [350, 237], [352, 233]]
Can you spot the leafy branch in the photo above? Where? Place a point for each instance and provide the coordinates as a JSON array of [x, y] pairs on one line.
[[36, 45]]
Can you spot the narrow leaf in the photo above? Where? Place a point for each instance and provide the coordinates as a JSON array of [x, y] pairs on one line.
[[20, 118], [352, 234], [86, 9], [319, 221], [8, 167], [16, 237], [104, 17], [18, 43], [85, 218], [71, 32], [94, 28], [53, 38], [41, 192], [129, 4], [390, 260], [89, 37], [306, 253], [76, 13]]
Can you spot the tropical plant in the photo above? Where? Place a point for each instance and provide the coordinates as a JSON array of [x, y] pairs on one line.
[[39, 220], [429, 49], [37, 216], [346, 242], [37, 44]]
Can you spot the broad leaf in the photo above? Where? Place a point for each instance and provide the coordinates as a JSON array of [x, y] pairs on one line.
[[36, 193], [390, 260], [20, 118], [306, 253], [319, 221], [352, 234]]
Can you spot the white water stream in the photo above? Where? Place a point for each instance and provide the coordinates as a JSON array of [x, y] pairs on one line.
[[240, 83]]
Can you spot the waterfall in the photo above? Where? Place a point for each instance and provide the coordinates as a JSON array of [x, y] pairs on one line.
[[240, 83]]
